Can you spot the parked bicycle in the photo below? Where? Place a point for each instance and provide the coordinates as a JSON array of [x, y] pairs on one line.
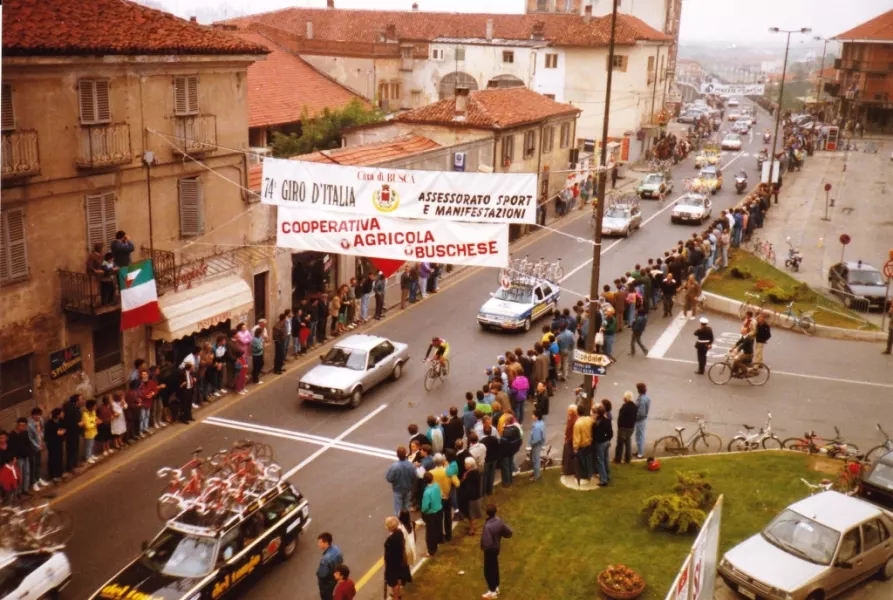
[[436, 373], [34, 527], [699, 440], [758, 306], [751, 440], [878, 451], [811, 443], [722, 372], [761, 249], [803, 319]]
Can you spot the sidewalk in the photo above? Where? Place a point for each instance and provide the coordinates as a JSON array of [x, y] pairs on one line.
[[860, 183]]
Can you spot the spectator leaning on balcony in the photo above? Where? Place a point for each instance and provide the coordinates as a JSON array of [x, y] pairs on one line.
[[121, 248]]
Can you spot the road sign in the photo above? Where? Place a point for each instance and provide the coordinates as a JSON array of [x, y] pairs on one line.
[[845, 239], [588, 363], [888, 269], [827, 187]]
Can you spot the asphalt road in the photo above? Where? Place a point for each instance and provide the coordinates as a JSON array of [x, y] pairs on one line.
[[337, 457]]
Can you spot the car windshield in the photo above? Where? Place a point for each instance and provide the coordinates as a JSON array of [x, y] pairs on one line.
[[516, 293], [708, 175], [697, 201], [346, 357], [802, 537], [617, 212], [732, 138], [865, 277], [180, 555], [882, 476], [654, 178]]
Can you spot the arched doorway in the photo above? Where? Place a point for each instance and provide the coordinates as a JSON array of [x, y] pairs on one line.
[[505, 81], [451, 81]]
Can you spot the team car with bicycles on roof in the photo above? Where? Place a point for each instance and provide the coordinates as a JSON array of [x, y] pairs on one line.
[[527, 291], [235, 517]]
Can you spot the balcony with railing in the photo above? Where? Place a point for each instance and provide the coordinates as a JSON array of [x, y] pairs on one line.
[[21, 156], [85, 294], [195, 134], [102, 146]]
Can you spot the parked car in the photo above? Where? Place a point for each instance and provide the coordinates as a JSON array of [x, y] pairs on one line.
[[692, 208], [655, 185], [621, 220], [815, 549], [877, 485], [731, 142], [355, 365], [858, 284], [33, 575], [515, 307]]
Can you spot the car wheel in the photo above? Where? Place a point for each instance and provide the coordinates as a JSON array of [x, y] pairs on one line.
[[356, 397], [526, 324], [398, 371], [816, 596], [289, 547], [887, 571]]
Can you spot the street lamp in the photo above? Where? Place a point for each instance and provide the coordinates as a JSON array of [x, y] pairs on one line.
[[784, 69], [818, 94]]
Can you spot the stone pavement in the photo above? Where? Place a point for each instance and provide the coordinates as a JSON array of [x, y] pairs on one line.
[[861, 183]]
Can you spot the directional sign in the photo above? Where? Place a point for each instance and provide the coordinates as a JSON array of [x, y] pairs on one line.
[[588, 363], [888, 269]]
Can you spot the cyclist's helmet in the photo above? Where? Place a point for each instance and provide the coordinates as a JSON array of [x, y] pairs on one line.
[[437, 341]]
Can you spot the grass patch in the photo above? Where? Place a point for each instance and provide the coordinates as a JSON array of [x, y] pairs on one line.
[[765, 279], [564, 539]]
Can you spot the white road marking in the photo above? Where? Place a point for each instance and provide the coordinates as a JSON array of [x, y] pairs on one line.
[[331, 444], [666, 339], [801, 375]]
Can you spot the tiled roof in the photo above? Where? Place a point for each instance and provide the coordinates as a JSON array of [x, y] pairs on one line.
[[283, 86], [97, 27], [491, 109], [879, 28], [367, 26], [372, 154]]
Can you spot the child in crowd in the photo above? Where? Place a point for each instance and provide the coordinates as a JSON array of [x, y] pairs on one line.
[[88, 425]]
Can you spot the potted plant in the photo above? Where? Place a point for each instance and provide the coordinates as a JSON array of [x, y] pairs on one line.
[[619, 582]]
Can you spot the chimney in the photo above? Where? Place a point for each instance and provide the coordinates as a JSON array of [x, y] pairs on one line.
[[309, 34], [461, 103], [415, 7], [330, 3], [587, 13], [539, 29], [489, 29], [391, 31], [193, 20]]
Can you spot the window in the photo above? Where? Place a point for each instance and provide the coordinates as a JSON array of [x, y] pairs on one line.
[[508, 150], [542, 5], [873, 533], [850, 546], [13, 248], [416, 97], [564, 139], [663, 71], [395, 91], [508, 56], [538, 292], [107, 342], [102, 221], [551, 61], [406, 52], [380, 353], [93, 95], [620, 62], [548, 139], [460, 53], [186, 95], [8, 112], [547, 290], [436, 53], [529, 143], [15, 385], [549, 96], [192, 210], [650, 69]]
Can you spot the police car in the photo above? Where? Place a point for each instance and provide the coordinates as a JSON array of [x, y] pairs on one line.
[[33, 575], [194, 559], [518, 303]]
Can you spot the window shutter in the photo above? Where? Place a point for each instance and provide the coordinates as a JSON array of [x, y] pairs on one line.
[[181, 105], [13, 251], [192, 95], [87, 101], [102, 221], [103, 106], [191, 207], [9, 118]]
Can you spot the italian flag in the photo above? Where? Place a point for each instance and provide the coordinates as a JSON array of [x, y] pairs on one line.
[[139, 297]]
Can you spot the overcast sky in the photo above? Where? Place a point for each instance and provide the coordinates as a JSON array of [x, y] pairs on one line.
[[738, 21]]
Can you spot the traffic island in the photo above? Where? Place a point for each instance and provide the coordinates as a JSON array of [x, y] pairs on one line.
[[563, 541]]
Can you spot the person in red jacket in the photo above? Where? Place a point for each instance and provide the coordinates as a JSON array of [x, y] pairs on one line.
[[345, 589], [10, 478]]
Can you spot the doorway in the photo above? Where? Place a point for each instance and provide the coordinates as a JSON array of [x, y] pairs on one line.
[[260, 295]]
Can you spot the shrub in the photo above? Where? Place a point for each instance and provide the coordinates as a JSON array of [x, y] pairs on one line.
[[739, 273], [693, 485], [776, 295], [673, 512]]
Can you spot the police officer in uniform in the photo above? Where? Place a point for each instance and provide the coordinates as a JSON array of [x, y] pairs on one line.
[[703, 343]]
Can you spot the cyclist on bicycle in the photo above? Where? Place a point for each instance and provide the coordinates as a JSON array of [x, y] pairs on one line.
[[441, 351], [742, 353]]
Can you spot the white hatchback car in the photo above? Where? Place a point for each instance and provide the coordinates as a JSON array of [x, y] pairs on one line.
[[33, 575], [731, 142]]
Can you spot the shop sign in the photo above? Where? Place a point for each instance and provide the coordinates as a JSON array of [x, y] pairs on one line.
[[66, 361], [439, 195], [589, 363], [186, 276], [390, 237]]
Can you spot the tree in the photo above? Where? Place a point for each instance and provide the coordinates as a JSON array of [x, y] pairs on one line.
[[323, 132]]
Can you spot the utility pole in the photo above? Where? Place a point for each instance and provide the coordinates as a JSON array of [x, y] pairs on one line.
[[784, 70], [818, 92], [600, 209]]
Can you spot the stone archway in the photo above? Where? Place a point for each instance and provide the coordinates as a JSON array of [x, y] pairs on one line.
[[451, 81]]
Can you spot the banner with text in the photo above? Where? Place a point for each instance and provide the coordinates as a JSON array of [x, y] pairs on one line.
[[480, 244], [742, 89], [448, 195]]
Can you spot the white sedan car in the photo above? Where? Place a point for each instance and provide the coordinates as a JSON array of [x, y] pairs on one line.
[[731, 142], [33, 575], [691, 208], [733, 101]]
